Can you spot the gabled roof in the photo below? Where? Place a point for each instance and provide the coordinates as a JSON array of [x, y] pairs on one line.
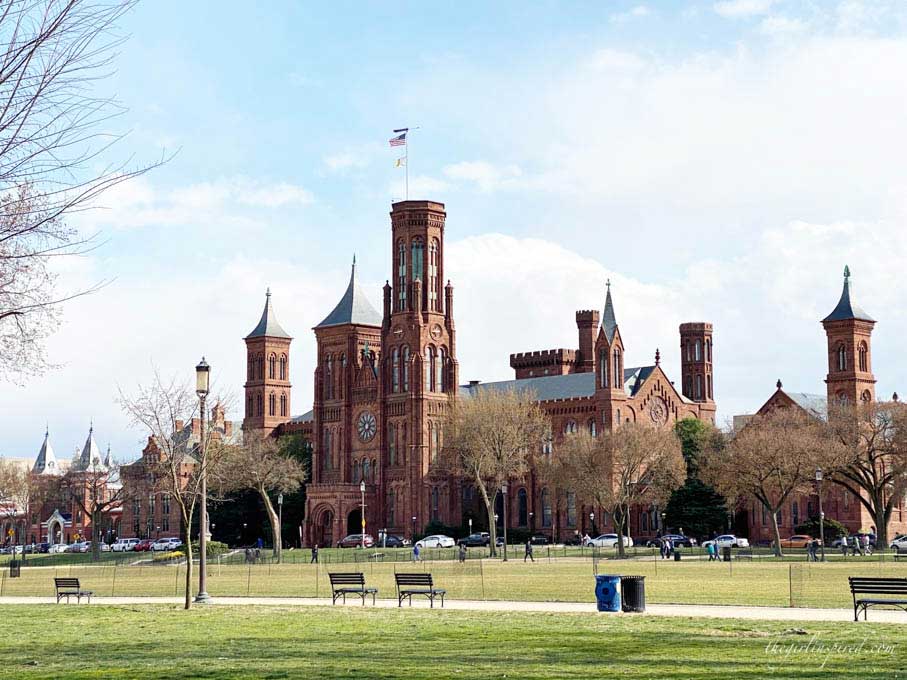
[[353, 308], [46, 462], [569, 386], [268, 327], [609, 320], [307, 417], [846, 308]]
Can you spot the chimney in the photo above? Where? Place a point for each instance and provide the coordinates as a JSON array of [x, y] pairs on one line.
[[586, 325]]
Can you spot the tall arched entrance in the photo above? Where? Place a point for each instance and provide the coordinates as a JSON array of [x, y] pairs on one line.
[[324, 529], [354, 522]]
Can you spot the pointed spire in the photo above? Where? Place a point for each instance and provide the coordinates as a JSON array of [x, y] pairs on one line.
[[778, 384], [894, 397], [846, 308], [46, 462], [268, 327], [107, 458], [90, 458], [609, 321], [353, 308], [657, 357]]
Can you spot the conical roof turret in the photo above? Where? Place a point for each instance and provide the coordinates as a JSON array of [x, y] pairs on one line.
[[353, 308], [846, 308], [268, 325], [46, 462]]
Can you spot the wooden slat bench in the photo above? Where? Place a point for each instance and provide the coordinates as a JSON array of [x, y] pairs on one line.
[[69, 587], [417, 584], [350, 583], [868, 585]]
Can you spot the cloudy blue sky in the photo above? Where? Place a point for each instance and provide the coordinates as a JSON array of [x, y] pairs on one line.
[[718, 160]]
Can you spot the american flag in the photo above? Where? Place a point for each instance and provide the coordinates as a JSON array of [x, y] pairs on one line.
[[400, 140]]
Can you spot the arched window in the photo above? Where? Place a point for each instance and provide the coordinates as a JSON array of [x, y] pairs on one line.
[[283, 366], [366, 470], [272, 367], [780, 517], [401, 276], [571, 509], [374, 470], [406, 369], [795, 514], [391, 507], [329, 377], [357, 473], [546, 508], [429, 369], [547, 445], [391, 444], [592, 427], [283, 404], [644, 517], [326, 452], [842, 357], [435, 504], [618, 370], [260, 404], [395, 370], [864, 357], [440, 365], [708, 351], [603, 368], [272, 404], [866, 396], [251, 372], [431, 441], [699, 386], [570, 427], [522, 508], [689, 353], [249, 406], [341, 373], [433, 256], [417, 259], [618, 416], [698, 350], [709, 386], [437, 442]]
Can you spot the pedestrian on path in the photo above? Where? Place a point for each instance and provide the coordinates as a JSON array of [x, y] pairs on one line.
[[712, 552], [811, 551], [462, 553], [528, 553], [416, 556], [314, 554]]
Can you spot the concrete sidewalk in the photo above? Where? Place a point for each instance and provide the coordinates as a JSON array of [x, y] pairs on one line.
[[683, 610]]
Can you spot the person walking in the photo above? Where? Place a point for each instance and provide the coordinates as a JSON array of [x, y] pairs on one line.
[[462, 554], [811, 551], [528, 553], [712, 550], [416, 556], [314, 554], [867, 548]]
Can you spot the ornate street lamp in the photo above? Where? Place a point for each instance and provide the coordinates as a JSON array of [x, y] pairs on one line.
[[504, 491], [362, 493], [819, 476], [279, 545], [414, 529], [592, 522], [202, 385]]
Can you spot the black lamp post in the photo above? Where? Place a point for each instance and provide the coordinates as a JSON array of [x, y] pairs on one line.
[[362, 494], [202, 384], [592, 522], [279, 537], [414, 529], [819, 476], [504, 491]]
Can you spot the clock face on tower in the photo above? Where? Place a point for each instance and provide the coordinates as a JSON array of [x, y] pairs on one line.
[[436, 331], [367, 426]]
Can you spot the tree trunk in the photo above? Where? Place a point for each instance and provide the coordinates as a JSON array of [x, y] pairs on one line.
[[187, 540], [492, 529], [621, 518], [275, 522], [777, 532], [95, 539], [882, 514]]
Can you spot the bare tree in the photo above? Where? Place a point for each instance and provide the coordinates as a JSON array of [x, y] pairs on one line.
[[52, 139], [260, 464], [772, 457], [175, 458], [22, 494], [96, 491], [634, 463], [489, 439], [873, 456]]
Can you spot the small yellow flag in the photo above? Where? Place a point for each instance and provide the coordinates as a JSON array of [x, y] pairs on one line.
[[400, 162]]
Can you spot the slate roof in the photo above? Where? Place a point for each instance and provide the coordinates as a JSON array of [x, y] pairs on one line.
[[353, 308], [268, 325], [570, 386], [46, 462], [609, 320], [814, 404], [308, 417], [846, 308]]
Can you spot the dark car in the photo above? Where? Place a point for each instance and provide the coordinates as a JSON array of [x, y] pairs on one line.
[[575, 539], [42, 547], [356, 541], [477, 540], [679, 541], [539, 539], [392, 542]]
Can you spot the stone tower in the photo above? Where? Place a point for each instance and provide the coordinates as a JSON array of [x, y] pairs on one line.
[[610, 394], [696, 361], [267, 374], [849, 332]]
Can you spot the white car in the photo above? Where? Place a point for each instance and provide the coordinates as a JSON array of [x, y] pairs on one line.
[[124, 544], [79, 547], [58, 548], [899, 545], [608, 541], [166, 544], [727, 541], [436, 541]]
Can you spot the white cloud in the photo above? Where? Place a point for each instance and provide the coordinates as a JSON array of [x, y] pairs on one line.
[[737, 9], [637, 12], [782, 26], [346, 160], [486, 176]]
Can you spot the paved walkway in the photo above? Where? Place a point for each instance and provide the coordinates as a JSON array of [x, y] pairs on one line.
[[683, 610]]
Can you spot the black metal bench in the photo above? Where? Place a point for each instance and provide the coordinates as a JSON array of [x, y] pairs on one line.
[[417, 584], [350, 583], [867, 585], [69, 587]]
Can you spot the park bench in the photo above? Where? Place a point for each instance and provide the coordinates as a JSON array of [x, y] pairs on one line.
[[350, 583], [69, 587], [868, 585], [417, 584]]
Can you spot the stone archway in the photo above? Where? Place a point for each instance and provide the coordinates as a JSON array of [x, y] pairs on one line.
[[324, 528], [354, 522]]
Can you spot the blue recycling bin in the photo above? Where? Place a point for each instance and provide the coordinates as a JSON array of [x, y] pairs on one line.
[[607, 592]]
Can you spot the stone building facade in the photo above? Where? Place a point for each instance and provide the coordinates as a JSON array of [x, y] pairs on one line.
[[383, 383]]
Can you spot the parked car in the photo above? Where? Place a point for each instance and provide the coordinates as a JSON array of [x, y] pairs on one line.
[[899, 544], [79, 547], [479, 539], [575, 539], [436, 541], [796, 541], [355, 541], [727, 541], [105, 547], [125, 544], [58, 548], [678, 540], [608, 541], [144, 545], [392, 541], [539, 539], [166, 544], [42, 548]]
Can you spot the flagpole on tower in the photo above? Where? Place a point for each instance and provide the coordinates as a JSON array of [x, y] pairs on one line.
[[401, 140]]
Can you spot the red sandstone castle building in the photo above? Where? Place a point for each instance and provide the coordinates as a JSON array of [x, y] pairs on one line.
[[383, 383], [848, 331]]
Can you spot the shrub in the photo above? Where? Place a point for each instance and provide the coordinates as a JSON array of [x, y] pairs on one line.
[[215, 548], [833, 529], [167, 556]]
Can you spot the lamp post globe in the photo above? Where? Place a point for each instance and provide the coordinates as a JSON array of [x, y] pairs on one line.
[[592, 522]]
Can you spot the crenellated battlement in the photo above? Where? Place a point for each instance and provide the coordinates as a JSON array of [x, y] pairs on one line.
[[543, 362]]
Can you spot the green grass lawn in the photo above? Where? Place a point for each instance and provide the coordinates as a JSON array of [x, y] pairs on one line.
[[571, 580], [50, 641]]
